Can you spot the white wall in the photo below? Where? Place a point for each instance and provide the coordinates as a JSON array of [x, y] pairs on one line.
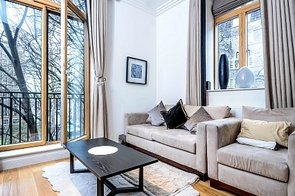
[[162, 41], [172, 35], [133, 34]]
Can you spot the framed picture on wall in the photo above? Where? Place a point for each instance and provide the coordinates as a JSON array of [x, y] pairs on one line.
[[136, 71]]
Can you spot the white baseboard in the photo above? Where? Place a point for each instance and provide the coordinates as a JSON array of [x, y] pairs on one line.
[[32, 159]]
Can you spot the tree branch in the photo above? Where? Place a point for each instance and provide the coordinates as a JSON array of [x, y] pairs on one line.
[[20, 24], [6, 51], [4, 71], [24, 117]]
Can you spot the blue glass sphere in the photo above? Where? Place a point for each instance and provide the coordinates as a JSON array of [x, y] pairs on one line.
[[244, 78]]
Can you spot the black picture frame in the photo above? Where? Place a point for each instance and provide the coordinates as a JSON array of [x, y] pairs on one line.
[[136, 71]]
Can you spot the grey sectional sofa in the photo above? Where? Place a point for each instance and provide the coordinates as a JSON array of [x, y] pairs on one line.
[[175, 146], [250, 169]]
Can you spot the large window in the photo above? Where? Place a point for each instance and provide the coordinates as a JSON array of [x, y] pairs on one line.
[[31, 73], [20, 71], [239, 36]]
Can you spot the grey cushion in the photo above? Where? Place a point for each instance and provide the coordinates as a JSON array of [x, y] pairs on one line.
[[155, 116], [281, 114], [144, 130], [200, 116], [264, 162], [177, 138]]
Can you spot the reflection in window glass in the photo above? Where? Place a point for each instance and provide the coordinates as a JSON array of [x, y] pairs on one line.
[[75, 75], [228, 43], [54, 78], [255, 47], [76, 78], [81, 4]]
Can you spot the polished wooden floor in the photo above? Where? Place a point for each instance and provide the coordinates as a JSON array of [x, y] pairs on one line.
[[28, 181]]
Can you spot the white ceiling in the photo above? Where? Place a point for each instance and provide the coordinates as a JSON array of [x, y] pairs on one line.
[[153, 6], [157, 3]]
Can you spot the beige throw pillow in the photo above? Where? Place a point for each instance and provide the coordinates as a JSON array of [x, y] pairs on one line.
[[266, 131], [218, 112]]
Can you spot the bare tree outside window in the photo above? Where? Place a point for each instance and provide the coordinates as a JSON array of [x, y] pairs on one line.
[[21, 75], [255, 47]]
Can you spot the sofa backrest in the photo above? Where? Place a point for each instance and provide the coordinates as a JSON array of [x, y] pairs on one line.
[[281, 114], [216, 112]]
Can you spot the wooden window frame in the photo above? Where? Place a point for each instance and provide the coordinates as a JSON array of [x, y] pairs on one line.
[[239, 13], [44, 6]]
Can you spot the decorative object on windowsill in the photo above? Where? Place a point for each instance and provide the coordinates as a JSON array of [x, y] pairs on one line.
[[223, 71], [136, 71], [244, 78]]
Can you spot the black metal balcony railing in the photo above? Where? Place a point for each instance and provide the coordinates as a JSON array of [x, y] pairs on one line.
[[20, 117]]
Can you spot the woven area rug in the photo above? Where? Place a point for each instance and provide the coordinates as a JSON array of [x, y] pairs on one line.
[[159, 179]]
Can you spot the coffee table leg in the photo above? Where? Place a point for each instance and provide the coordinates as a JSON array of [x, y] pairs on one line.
[[99, 188], [140, 185], [71, 163]]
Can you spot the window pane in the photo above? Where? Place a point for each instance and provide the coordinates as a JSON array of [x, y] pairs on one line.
[[20, 73], [81, 4], [54, 78], [228, 43], [255, 47], [76, 78]]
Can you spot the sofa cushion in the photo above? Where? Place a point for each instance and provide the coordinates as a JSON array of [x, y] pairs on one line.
[[155, 116], [191, 109], [216, 112], [176, 116], [144, 130], [177, 138], [266, 131], [280, 114], [258, 143], [264, 162], [199, 116]]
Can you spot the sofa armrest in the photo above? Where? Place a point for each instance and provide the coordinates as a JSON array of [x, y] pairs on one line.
[[201, 147], [201, 144], [135, 118], [219, 133], [291, 164]]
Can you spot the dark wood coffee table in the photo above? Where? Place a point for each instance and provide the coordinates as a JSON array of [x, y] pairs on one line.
[[105, 166]]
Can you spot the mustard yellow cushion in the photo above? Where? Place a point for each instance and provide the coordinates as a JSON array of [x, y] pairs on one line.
[[266, 131]]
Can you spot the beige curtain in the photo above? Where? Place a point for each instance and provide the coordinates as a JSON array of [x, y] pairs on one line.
[[97, 27], [193, 92], [279, 52]]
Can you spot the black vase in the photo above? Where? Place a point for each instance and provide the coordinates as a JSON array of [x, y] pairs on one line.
[[223, 71]]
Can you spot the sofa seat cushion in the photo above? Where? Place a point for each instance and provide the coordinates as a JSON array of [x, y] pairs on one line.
[[177, 138], [144, 130], [263, 162]]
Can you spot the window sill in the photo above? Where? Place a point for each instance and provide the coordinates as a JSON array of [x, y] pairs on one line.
[[28, 151], [235, 89]]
